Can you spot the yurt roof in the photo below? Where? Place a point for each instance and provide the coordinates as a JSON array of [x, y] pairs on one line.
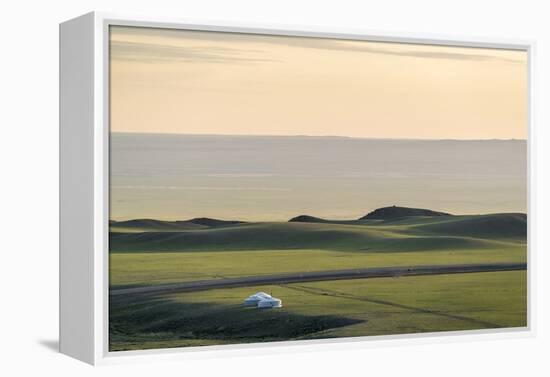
[[272, 299], [259, 295]]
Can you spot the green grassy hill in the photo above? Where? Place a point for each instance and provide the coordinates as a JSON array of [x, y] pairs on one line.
[[499, 226], [253, 236], [403, 234], [322, 310], [150, 225], [151, 252]]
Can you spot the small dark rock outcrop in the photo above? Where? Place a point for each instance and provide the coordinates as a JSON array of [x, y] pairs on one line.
[[306, 219], [394, 212]]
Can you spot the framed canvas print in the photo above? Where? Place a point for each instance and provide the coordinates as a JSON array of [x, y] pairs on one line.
[[224, 186]]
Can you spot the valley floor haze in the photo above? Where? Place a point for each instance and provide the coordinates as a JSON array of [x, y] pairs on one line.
[[275, 178]]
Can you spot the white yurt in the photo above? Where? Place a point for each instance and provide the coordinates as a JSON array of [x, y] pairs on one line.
[[255, 298], [271, 302]]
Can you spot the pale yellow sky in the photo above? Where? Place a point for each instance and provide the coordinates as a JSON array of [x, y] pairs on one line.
[[173, 81]]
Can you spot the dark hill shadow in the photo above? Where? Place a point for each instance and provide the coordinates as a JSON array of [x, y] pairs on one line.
[[135, 322], [501, 225]]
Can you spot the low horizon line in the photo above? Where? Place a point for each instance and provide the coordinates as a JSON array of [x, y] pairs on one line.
[[318, 136]]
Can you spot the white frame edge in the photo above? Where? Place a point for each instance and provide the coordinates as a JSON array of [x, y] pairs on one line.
[[84, 116], [76, 177]]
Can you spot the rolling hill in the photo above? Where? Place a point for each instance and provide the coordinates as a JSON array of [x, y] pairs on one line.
[[410, 234], [147, 225]]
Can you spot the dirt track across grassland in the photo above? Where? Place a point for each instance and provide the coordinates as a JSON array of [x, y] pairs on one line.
[[358, 273]]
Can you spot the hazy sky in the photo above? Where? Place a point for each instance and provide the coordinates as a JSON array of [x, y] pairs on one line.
[[172, 81]]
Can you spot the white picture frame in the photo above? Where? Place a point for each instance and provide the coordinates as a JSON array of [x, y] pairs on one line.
[[84, 186]]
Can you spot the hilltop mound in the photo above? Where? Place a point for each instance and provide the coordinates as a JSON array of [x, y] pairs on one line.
[[307, 219], [394, 212], [212, 223]]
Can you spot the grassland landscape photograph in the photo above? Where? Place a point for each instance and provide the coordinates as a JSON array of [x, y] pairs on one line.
[[275, 188]]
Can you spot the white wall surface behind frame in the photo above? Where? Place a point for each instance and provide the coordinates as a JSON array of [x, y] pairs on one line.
[[30, 119]]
